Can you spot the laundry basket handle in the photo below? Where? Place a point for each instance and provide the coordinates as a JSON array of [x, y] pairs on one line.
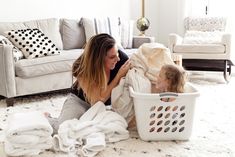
[[168, 94]]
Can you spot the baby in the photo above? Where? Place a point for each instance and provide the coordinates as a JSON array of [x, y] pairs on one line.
[[171, 78]]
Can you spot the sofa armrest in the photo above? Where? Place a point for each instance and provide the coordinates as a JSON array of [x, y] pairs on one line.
[[174, 39], [139, 40], [7, 71]]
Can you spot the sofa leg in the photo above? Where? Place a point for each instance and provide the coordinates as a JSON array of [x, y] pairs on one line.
[[10, 102]]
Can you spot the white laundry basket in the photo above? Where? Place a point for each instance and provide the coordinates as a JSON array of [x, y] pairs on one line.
[[159, 120]]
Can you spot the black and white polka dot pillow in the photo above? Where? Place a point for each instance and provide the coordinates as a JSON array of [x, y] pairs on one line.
[[33, 43]]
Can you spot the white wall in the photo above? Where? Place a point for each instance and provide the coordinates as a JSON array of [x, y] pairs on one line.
[[18, 10], [150, 13], [165, 15]]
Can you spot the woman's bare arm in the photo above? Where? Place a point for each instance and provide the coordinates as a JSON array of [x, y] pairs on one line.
[[121, 73]]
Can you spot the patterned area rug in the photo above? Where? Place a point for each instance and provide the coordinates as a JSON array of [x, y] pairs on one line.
[[213, 131]]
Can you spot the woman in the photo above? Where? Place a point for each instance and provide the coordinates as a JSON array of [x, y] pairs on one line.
[[97, 71]]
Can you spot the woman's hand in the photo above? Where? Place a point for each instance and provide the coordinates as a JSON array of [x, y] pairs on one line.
[[124, 68]]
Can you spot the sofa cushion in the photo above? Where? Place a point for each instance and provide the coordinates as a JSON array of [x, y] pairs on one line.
[[17, 54], [27, 68], [107, 25], [33, 43], [72, 34], [50, 27]]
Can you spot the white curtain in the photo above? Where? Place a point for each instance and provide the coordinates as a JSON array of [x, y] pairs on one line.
[[225, 8]]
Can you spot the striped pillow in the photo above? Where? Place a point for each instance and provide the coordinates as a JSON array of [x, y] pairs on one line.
[[93, 26], [127, 33]]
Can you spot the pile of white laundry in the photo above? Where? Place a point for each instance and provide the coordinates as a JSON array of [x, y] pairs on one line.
[[28, 133], [89, 135]]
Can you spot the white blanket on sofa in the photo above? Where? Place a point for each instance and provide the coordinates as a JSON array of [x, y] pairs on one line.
[[88, 135], [27, 133]]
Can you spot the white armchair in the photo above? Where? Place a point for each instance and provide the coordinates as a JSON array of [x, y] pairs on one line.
[[205, 45]]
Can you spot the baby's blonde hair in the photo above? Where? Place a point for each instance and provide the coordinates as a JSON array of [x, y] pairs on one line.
[[176, 76]]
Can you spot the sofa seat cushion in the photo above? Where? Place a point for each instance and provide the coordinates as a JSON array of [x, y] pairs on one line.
[[205, 48], [27, 68]]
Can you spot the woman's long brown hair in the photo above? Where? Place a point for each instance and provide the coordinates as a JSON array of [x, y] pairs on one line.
[[89, 67]]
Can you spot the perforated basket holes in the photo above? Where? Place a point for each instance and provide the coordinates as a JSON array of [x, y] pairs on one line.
[[167, 119]]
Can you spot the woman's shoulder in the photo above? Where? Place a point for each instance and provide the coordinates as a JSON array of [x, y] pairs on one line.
[[122, 55]]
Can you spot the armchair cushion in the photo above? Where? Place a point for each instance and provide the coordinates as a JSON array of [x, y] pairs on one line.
[[33, 43], [200, 49], [199, 37], [205, 24]]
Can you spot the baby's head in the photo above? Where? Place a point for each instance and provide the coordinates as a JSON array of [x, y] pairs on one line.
[[173, 77]]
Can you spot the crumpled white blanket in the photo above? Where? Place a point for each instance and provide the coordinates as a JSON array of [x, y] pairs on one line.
[[146, 64], [27, 133], [88, 135], [149, 59]]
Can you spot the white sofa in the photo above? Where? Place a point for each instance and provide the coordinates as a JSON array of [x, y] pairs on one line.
[[50, 73]]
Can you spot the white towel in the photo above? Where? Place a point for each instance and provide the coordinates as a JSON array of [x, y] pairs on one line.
[[71, 134], [14, 150], [94, 143], [28, 123], [91, 113], [86, 135], [27, 133]]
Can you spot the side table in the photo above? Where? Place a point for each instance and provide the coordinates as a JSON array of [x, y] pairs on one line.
[[139, 40]]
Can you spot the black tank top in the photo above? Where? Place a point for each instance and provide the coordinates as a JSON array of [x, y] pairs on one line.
[[123, 58]]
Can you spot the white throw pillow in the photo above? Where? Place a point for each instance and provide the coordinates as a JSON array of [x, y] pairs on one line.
[[17, 54], [33, 43], [199, 37], [94, 26]]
